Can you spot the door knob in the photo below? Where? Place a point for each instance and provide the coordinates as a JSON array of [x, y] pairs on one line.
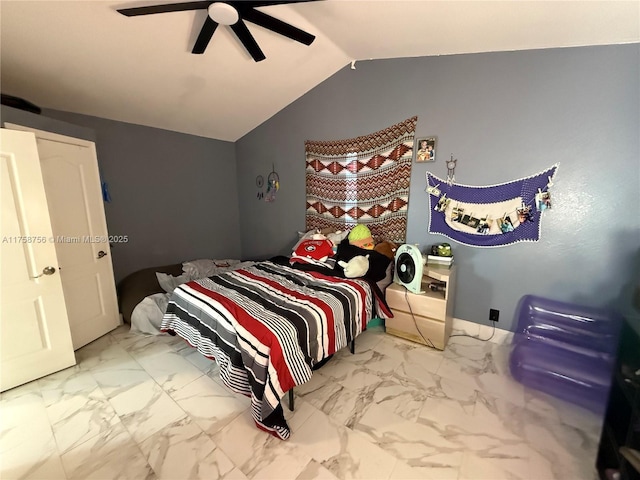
[[46, 271], [101, 254]]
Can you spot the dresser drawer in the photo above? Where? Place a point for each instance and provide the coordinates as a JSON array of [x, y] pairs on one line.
[[402, 325], [428, 304]]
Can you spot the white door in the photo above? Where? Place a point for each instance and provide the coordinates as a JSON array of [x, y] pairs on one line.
[[74, 195], [35, 339]]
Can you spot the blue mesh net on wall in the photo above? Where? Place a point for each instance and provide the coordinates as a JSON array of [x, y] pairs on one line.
[[490, 216]]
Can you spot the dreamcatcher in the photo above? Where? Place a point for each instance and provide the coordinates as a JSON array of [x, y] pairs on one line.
[[260, 184], [273, 185]]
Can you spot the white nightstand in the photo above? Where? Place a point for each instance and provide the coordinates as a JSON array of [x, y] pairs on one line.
[[431, 310]]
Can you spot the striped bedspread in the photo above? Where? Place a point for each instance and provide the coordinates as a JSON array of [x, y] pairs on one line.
[[267, 325]]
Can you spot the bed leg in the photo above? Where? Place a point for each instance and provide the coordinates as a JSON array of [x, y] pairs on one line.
[[291, 399], [352, 347]]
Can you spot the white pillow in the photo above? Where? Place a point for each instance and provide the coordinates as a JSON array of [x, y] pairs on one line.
[[168, 282], [337, 237], [205, 267]]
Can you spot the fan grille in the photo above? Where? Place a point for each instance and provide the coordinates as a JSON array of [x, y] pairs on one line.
[[406, 268]]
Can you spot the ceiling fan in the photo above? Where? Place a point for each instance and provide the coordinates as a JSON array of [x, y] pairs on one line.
[[233, 14]]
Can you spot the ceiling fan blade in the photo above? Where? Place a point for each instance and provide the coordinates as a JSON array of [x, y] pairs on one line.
[[243, 33], [168, 7], [206, 32], [278, 26], [266, 3]]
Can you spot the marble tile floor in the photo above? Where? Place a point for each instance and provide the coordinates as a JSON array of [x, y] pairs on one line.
[[146, 408]]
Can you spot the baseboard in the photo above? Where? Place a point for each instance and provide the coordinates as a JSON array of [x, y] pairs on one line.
[[465, 327], [481, 331]]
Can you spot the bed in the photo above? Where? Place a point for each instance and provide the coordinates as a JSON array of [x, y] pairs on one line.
[[137, 286], [269, 324], [144, 294]]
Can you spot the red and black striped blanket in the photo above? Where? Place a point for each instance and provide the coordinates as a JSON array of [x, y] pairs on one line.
[[268, 325]]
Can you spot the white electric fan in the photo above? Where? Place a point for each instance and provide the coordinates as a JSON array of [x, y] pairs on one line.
[[409, 266]]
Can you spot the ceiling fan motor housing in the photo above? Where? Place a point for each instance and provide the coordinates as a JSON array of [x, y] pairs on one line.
[[223, 13], [234, 14]]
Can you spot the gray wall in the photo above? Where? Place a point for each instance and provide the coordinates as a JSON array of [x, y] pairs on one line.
[[42, 122], [174, 195], [504, 116]]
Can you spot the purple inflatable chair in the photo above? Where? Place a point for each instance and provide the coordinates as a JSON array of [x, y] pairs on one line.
[[565, 350]]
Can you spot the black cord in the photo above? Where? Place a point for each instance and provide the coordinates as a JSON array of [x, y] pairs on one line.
[[477, 338], [426, 341]]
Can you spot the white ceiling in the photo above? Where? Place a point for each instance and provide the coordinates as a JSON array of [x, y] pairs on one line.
[[84, 57]]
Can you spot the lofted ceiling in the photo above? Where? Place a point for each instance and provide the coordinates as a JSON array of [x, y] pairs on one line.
[[84, 57]]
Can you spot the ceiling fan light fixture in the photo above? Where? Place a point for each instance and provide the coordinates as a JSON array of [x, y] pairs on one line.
[[223, 13], [232, 13]]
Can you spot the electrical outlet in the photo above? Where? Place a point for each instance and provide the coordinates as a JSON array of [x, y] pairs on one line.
[[494, 314]]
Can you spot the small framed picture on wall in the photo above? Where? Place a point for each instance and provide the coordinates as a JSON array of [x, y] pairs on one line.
[[425, 148]]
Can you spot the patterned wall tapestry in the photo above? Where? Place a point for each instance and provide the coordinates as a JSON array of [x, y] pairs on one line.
[[490, 216], [361, 180]]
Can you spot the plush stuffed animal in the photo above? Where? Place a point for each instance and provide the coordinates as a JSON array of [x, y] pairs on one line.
[[358, 266], [360, 236], [317, 249], [388, 249]]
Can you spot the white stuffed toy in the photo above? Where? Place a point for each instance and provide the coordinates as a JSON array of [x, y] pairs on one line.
[[356, 267]]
